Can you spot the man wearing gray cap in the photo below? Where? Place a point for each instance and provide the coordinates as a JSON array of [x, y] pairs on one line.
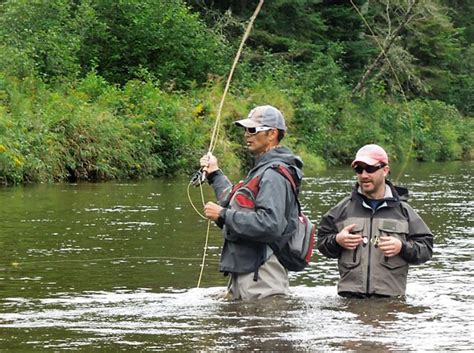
[[373, 232], [258, 214]]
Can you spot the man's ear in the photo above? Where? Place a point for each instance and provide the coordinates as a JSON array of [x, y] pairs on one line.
[[274, 135]]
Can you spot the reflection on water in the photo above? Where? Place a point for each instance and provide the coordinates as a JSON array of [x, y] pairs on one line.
[[110, 267]]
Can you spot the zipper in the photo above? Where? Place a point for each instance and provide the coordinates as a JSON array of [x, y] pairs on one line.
[[370, 248]]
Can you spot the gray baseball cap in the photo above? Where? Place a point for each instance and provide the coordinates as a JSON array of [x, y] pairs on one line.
[[264, 115]]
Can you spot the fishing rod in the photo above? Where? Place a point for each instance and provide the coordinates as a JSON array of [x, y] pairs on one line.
[[199, 177]]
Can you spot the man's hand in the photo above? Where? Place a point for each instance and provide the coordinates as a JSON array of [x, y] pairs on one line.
[[209, 163], [212, 210], [348, 240], [390, 246]]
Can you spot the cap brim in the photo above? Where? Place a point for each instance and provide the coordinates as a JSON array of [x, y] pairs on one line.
[[247, 123], [365, 160]]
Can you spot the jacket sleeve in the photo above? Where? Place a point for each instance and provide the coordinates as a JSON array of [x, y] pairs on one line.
[[418, 248], [221, 185], [268, 221], [327, 232]]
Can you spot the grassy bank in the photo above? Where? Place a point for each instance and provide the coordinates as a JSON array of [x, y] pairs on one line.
[[91, 130]]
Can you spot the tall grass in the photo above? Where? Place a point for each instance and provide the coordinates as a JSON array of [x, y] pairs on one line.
[[91, 130]]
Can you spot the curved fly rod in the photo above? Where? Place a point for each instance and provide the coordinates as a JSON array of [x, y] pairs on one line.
[[199, 177]]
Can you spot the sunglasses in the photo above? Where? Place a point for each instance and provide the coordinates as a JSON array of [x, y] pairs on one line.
[[368, 168], [256, 130]]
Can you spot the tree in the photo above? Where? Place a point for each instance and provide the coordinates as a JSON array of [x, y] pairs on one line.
[[421, 51], [45, 33], [407, 15], [164, 38], [121, 40]]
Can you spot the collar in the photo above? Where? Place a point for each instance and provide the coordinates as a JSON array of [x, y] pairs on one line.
[[388, 192], [277, 153], [391, 196]]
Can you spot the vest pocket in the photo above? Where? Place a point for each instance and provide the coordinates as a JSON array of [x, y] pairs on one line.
[[350, 265], [394, 263], [349, 268], [398, 229], [350, 259]]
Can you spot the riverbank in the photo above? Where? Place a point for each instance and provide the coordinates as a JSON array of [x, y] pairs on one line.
[[91, 130]]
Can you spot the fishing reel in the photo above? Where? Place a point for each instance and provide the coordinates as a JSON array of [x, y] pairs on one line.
[[198, 178]]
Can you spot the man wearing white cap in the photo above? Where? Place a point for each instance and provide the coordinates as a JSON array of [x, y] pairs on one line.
[[257, 215], [373, 232]]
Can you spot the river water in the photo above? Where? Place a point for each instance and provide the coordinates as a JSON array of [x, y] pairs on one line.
[[115, 267]]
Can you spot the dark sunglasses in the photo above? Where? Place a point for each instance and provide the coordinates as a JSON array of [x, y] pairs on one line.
[[256, 130], [368, 168]]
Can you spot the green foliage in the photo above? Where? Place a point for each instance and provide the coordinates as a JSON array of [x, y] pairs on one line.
[[437, 46], [424, 130], [46, 34], [130, 89], [162, 37], [346, 28], [461, 13], [427, 57], [312, 162], [61, 39], [92, 131], [438, 131], [278, 31], [296, 29], [457, 87]]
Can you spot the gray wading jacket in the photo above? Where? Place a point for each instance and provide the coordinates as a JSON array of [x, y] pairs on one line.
[[249, 225], [366, 270]]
